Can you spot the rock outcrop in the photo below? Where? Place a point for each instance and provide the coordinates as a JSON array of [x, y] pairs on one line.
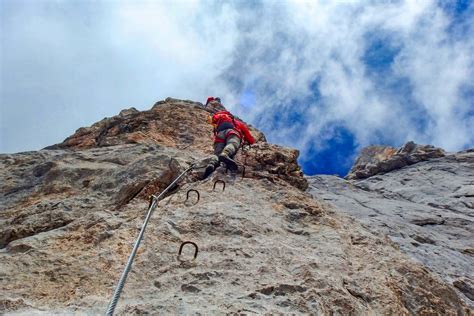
[[70, 214], [426, 207], [381, 159], [183, 124]]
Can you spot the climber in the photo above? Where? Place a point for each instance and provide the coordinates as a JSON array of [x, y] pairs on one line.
[[214, 104], [229, 135]]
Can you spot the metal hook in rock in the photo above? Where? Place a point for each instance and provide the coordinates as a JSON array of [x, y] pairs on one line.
[[197, 193], [219, 181], [196, 249]]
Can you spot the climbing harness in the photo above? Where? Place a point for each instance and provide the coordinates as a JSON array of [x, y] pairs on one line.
[[153, 203], [196, 249]]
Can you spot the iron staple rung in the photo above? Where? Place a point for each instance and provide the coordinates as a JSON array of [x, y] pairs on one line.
[[219, 181], [196, 249], [197, 193]]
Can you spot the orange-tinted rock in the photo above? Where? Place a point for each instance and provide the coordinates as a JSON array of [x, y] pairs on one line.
[[374, 160], [183, 124]]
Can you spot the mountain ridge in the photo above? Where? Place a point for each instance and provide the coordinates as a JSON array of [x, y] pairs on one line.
[[266, 245]]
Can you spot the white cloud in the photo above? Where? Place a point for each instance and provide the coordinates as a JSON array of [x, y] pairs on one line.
[[329, 43], [131, 53]]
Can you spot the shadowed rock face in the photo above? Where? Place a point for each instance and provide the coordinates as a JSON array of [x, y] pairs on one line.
[[69, 216], [426, 207]]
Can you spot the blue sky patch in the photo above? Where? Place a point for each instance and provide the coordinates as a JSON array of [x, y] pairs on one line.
[[335, 157], [247, 99], [461, 13], [380, 52], [455, 7]]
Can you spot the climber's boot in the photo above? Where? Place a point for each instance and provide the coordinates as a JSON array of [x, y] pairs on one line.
[[231, 164], [209, 170]]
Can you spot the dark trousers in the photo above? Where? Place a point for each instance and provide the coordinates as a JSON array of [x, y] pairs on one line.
[[229, 147]]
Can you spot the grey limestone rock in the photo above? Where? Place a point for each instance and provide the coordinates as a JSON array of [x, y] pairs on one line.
[[69, 217], [427, 208]]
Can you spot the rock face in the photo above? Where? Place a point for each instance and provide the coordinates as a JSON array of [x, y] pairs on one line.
[[71, 213], [427, 208], [381, 159]]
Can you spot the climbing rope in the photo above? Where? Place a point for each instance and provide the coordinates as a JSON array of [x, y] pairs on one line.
[[128, 266]]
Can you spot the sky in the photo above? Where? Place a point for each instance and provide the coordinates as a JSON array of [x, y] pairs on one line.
[[325, 77]]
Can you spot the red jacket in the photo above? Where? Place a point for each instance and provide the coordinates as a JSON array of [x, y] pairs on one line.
[[223, 120], [245, 132]]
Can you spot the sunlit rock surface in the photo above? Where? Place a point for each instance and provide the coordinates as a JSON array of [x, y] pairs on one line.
[[381, 159], [70, 214]]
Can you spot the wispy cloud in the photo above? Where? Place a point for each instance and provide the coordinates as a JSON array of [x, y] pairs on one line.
[[315, 75], [315, 57]]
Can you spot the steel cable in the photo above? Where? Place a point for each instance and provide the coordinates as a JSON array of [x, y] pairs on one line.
[[128, 266]]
